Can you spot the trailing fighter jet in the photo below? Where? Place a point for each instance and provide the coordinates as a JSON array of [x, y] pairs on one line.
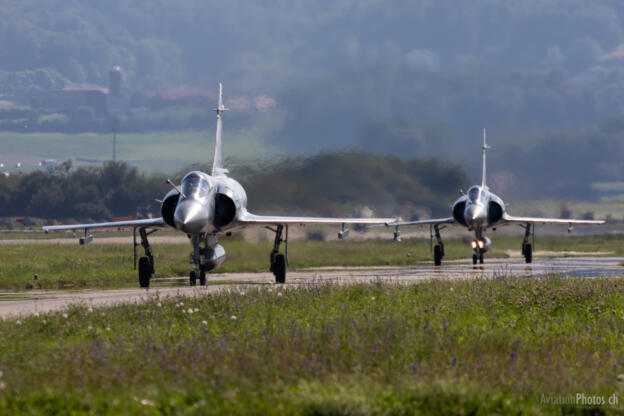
[[479, 210], [205, 207]]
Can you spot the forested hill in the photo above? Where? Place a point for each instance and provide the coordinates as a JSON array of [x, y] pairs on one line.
[[334, 67], [405, 78]]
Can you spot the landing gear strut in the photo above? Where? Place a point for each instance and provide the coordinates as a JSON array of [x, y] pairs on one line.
[[438, 249], [146, 263], [527, 248], [279, 261]]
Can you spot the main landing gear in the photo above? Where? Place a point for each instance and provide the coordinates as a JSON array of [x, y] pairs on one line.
[[279, 261], [438, 249], [527, 248], [146, 263]]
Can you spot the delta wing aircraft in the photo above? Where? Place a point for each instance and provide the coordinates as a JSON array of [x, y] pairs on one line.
[[205, 207], [479, 210]]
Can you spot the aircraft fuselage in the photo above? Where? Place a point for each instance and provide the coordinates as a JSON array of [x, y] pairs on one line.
[[478, 210]]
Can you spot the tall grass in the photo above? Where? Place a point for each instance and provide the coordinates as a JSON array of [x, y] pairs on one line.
[[441, 347]]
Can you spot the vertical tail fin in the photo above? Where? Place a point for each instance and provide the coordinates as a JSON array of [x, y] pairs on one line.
[[217, 164], [484, 149]]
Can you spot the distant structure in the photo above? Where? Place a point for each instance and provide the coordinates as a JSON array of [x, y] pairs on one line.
[[71, 99], [115, 80]]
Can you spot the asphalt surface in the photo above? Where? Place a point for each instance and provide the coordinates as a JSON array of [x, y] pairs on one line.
[[32, 302]]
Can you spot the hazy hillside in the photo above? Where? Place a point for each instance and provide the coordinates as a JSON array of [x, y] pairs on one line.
[[266, 42], [414, 79]]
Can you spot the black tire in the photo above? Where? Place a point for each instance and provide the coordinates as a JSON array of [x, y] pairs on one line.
[[279, 268], [480, 258], [202, 278], [474, 259], [528, 253], [437, 255], [145, 272], [193, 278]]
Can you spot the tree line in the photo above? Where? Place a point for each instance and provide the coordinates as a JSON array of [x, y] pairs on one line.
[[324, 184]]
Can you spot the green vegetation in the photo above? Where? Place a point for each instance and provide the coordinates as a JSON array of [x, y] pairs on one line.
[[110, 265], [441, 347]]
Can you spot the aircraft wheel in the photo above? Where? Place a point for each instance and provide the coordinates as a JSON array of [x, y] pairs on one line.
[[202, 278], [528, 253], [480, 258], [192, 278], [437, 255], [279, 268], [145, 272], [474, 259]]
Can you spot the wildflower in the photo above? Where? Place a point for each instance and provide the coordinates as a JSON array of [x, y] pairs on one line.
[[65, 315], [269, 290], [279, 293], [44, 321], [146, 402], [2, 385], [372, 297], [181, 303], [37, 314], [1, 373], [205, 322], [196, 310], [452, 290], [108, 328], [242, 293], [233, 317], [159, 305], [190, 311], [18, 322], [90, 309], [620, 377], [89, 327]]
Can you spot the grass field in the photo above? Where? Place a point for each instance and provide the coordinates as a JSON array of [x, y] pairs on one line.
[[110, 265], [552, 208], [164, 152], [477, 347]]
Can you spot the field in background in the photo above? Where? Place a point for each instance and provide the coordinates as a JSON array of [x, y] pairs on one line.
[[110, 265], [577, 209], [466, 347], [163, 152]]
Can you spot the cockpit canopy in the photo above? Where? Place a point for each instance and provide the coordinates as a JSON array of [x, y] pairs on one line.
[[474, 193], [195, 186]]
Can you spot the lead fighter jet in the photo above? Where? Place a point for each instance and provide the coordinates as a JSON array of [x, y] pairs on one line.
[[479, 210], [205, 207]]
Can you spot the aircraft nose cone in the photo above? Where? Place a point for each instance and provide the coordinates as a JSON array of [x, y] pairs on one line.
[[475, 215], [190, 216]]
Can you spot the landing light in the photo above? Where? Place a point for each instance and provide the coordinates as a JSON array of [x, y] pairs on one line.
[[473, 244], [480, 244]]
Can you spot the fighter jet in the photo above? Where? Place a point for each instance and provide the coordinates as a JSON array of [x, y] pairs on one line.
[[479, 210], [205, 207]]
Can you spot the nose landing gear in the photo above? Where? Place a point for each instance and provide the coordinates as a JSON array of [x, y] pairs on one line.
[[200, 257], [477, 257]]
